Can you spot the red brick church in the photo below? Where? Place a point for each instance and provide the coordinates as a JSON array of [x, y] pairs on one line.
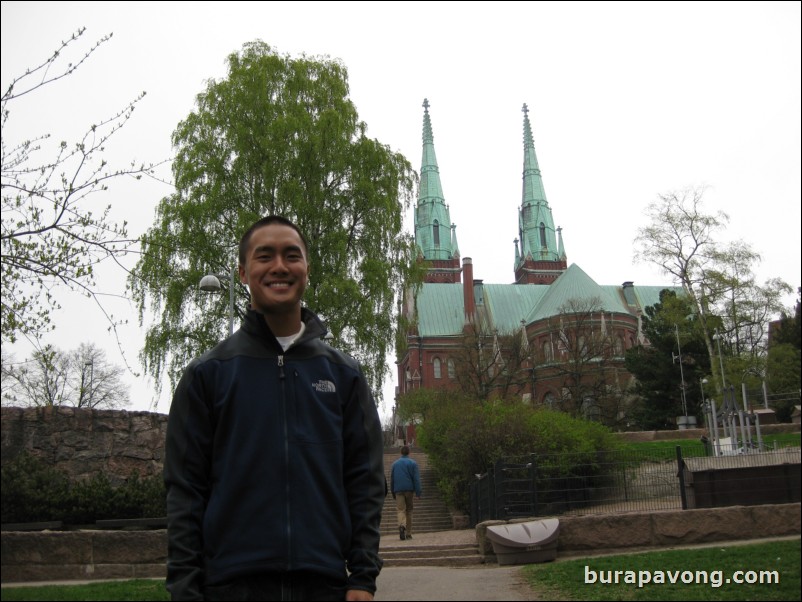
[[551, 335]]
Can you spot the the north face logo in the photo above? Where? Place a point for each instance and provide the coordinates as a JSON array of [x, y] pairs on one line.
[[324, 386]]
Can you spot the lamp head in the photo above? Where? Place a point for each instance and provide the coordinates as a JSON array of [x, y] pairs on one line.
[[210, 283]]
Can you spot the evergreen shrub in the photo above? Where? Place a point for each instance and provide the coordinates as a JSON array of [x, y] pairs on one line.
[[32, 491], [464, 437]]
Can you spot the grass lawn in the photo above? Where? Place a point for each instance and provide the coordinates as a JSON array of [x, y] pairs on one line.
[[693, 447], [570, 579], [777, 563], [137, 589]]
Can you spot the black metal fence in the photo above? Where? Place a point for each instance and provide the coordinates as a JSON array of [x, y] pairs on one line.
[[607, 482], [548, 485]]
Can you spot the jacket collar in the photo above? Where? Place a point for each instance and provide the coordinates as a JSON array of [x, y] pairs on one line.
[[256, 324]]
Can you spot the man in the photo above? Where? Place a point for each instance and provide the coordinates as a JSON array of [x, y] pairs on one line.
[[404, 483], [274, 460]]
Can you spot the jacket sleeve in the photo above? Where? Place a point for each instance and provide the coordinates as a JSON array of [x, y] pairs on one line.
[[186, 476], [365, 486]]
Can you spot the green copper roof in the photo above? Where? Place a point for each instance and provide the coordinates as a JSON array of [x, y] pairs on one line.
[[574, 284], [535, 222], [511, 303], [434, 233], [441, 307]]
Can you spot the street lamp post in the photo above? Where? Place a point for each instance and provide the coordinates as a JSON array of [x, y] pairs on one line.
[[717, 338], [211, 283], [702, 383], [681, 371]]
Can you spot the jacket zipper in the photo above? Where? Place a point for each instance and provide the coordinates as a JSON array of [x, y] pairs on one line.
[[286, 457]]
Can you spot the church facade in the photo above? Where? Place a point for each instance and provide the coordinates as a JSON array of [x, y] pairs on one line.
[[550, 336]]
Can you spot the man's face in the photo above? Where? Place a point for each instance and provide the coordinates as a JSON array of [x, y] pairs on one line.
[[275, 270]]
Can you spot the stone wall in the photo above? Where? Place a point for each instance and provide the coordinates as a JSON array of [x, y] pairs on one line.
[[630, 531], [84, 442], [765, 429], [66, 555]]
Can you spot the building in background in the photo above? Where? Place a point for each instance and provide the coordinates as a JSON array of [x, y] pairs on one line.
[[551, 336]]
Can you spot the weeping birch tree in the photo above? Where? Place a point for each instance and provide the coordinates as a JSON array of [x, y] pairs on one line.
[[277, 135], [718, 278]]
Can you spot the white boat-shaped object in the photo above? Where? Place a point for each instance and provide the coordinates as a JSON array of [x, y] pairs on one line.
[[525, 543]]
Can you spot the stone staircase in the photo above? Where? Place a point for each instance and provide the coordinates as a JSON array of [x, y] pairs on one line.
[[430, 515], [448, 555], [429, 511]]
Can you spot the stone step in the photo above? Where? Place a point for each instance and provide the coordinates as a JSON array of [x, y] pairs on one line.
[[444, 555], [427, 504], [429, 528], [447, 561]]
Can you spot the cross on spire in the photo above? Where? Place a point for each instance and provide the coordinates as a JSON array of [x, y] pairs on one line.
[[525, 109], [426, 103]]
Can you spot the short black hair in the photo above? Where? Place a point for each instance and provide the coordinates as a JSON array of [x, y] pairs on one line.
[[405, 450], [266, 221]]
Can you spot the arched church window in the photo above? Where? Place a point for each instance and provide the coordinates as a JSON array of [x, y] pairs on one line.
[[542, 234], [582, 346], [452, 369], [437, 368], [548, 353], [436, 233]]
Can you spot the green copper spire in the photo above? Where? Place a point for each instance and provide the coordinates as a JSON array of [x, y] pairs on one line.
[[535, 223], [435, 234]]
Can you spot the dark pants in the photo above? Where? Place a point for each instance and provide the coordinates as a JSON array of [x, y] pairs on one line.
[[278, 586]]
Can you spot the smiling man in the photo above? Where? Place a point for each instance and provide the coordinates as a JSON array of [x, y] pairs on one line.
[[273, 464]]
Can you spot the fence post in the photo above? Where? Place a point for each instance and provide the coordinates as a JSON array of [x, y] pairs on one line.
[[533, 483], [491, 493], [500, 489], [681, 474]]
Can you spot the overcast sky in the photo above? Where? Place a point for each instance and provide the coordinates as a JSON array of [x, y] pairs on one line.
[[627, 101]]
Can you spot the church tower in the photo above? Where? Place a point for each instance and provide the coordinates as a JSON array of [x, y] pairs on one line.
[[539, 254], [435, 235]]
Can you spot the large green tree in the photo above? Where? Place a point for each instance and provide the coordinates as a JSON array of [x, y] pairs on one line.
[[784, 359], [278, 135], [671, 367]]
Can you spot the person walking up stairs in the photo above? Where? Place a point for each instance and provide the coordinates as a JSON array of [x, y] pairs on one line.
[[431, 512], [404, 483]]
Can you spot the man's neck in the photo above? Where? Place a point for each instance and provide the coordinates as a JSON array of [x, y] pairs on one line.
[[283, 325]]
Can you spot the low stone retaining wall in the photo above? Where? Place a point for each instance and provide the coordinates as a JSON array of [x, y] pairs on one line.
[[627, 532], [765, 429], [66, 555]]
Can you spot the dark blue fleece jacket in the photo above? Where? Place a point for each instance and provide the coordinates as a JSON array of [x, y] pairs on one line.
[[273, 463]]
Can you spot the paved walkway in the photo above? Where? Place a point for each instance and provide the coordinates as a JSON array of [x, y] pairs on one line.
[[434, 538], [482, 582], [476, 582]]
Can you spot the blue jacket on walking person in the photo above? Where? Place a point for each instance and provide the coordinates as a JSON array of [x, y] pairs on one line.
[[405, 475]]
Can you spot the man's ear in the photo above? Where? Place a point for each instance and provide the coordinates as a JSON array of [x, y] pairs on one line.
[[242, 277]]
